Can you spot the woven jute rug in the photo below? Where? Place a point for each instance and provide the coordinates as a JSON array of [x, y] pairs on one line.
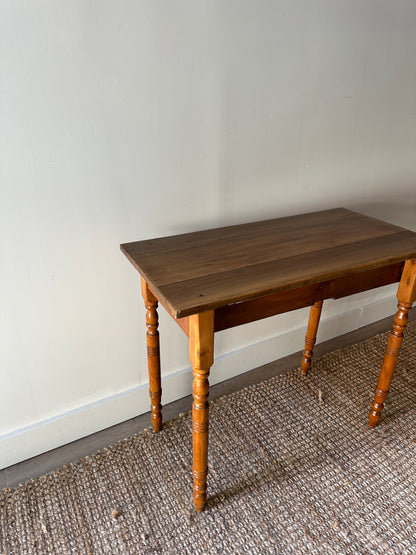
[[293, 468]]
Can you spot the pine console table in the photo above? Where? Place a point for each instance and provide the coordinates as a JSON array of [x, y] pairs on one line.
[[220, 278]]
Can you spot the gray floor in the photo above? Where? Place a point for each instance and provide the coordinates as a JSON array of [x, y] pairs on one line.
[[36, 466]]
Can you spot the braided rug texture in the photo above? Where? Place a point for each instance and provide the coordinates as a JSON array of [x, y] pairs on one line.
[[293, 468]]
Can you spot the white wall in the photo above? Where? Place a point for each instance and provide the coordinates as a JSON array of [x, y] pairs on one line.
[[127, 120]]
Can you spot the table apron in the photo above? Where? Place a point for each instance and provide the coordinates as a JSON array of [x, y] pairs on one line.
[[243, 312], [249, 311]]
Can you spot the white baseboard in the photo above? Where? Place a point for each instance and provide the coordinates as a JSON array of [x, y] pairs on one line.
[[48, 434]]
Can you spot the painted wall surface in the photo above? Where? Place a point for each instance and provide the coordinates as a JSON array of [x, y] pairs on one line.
[[122, 121]]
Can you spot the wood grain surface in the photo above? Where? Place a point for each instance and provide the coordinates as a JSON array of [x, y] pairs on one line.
[[204, 270]]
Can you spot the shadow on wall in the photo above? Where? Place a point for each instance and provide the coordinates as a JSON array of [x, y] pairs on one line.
[[398, 208], [398, 212]]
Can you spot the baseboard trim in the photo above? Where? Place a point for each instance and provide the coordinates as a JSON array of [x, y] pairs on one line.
[[48, 434]]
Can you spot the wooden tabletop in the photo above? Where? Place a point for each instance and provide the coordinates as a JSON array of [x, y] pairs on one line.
[[198, 271]]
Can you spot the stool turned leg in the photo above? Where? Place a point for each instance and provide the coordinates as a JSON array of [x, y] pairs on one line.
[[310, 337], [406, 295], [201, 354], [153, 356]]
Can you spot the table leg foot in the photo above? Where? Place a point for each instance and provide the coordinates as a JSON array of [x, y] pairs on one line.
[[153, 356], [376, 407], [406, 294], [310, 338], [201, 352], [389, 363]]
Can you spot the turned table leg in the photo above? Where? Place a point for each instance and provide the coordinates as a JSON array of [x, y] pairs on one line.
[[406, 294], [310, 338], [201, 354], [153, 356]]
